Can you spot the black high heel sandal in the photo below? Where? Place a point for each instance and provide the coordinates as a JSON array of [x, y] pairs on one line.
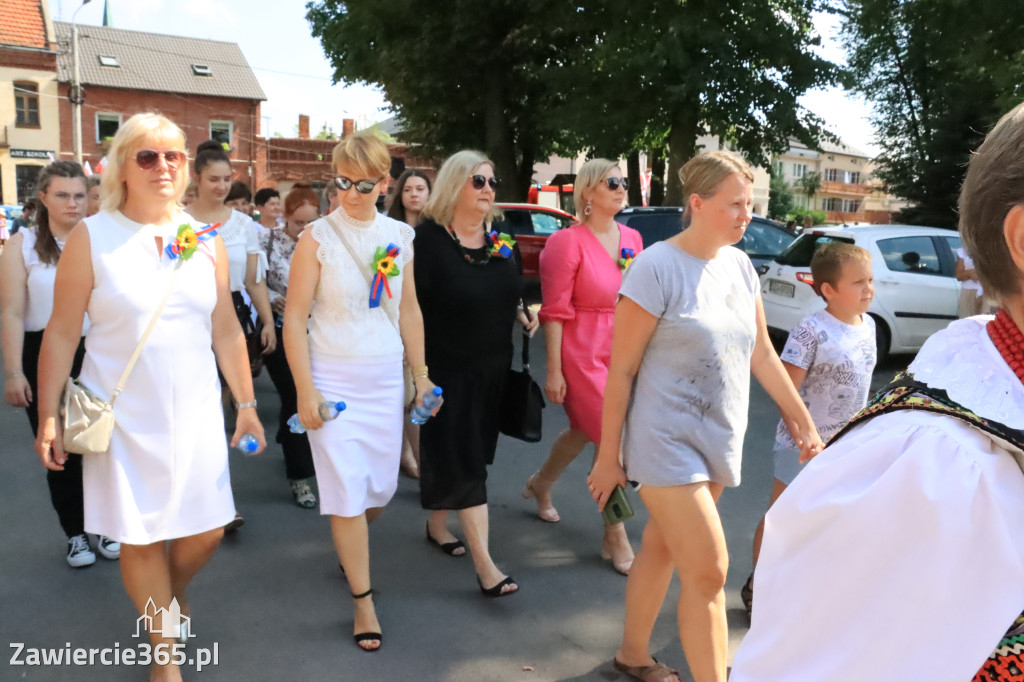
[[368, 636]]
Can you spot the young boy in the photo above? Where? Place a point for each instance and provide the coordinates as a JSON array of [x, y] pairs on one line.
[[829, 356]]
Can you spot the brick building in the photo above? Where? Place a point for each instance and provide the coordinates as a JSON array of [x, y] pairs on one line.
[[205, 86], [29, 127]]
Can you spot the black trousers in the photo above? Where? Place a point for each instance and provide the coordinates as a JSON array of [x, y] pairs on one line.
[[298, 458], [65, 486]]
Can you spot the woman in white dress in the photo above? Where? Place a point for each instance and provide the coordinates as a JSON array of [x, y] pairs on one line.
[[353, 352], [162, 489], [898, 553], [211, 173]]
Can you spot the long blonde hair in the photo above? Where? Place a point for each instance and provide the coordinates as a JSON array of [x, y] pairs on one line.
[[702, 175], [448, 185], [135, 130]]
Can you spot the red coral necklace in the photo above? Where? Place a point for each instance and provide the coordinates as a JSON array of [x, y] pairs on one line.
[[1009, 341]]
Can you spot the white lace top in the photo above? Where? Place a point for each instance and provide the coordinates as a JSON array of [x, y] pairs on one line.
[[239, 237], [341, 322], [962, 360]]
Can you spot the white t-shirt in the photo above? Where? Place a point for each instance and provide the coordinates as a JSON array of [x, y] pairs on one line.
[[969, 264], [839, 359]]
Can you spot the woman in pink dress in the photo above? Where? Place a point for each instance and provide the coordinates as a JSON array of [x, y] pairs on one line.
[[581, 272]]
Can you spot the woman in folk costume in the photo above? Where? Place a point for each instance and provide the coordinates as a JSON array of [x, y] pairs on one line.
[[898, 553]]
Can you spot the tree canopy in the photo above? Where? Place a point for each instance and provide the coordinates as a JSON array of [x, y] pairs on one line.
[[940, 74]]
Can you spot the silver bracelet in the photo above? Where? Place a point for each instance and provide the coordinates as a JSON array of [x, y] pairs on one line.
[[242, 406]]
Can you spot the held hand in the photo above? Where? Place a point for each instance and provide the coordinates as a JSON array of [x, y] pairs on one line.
[[277, 306], [424, 386], [554, 387], [268, 338], [530, 324], [50, 444], [807, 439], [603, 478], [309, 410], [248, 421], [17, 392]]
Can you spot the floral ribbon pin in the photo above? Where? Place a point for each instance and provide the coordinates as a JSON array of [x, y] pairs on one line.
[[502, 244], [188, 241], [384, 267], [626, 259]]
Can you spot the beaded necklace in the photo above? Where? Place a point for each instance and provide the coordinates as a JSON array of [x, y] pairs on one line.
[[471, 255], [1009, 341]]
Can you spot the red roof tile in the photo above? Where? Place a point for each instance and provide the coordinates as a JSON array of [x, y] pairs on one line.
[[22, 23]]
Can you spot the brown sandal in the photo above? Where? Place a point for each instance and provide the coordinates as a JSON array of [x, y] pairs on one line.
[[656, 672]]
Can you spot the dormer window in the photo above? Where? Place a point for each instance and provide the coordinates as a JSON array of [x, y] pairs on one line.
[[107, 60], [201, 70]]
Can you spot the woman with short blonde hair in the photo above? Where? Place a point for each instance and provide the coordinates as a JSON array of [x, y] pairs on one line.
[[581, 270], [678, 419], [351, 312], [470, 289], [162, 489]]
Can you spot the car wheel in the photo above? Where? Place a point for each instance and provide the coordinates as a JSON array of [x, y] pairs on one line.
[[883, 339]]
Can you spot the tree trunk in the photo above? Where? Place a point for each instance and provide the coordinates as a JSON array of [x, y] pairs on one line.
[[682, 143], [501, 143], [633, 174], [657, 156]]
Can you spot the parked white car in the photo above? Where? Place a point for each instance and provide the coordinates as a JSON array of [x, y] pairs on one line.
[[916, 291]]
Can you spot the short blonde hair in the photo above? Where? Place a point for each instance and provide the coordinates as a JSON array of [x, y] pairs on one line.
[[363, 152], [828, 261], [994, 184], [448, 185], [702, 175], [590, 175], [134, 132]]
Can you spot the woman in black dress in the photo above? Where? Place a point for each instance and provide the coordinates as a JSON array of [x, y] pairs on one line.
[[470, 295]]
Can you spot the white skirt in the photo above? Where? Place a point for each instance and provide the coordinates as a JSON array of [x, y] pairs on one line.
[[357, 455]]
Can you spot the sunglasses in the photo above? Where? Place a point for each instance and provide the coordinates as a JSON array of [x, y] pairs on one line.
[[148, 158], [479, 181], [615, 183], [362, 186]]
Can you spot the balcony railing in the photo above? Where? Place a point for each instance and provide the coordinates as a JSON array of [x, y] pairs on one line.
[[845, 188]]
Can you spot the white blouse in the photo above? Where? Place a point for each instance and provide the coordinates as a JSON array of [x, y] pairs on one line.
[[898, 552], [239, 237], [40, 280], [341, 322]]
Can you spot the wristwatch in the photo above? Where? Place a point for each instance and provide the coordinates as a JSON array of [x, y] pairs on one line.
[[242, 406]]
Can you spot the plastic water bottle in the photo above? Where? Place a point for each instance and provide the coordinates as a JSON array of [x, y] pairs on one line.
[[431, 401], [328, 410], [248, 444]]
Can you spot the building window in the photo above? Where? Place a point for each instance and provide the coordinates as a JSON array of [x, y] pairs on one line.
[[107, 60], [201, 70], [853, 177], [107, 126], [799, 169], [26, 105], [841, 205], [777, 168], [222, 131], [832, 175], [25, 181]]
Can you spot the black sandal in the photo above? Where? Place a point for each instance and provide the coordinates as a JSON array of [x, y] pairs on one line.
[[448, 548], [747, 595], [365, 636], [495, 591]]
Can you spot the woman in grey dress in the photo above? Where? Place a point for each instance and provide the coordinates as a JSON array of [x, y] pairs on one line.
[[689, 330]]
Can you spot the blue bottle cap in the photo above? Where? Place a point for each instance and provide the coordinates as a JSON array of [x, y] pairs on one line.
[[251, 445], [437, 390], [340, 406]]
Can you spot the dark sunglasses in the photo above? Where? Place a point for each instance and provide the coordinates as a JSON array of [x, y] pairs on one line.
[[362, 186], [615, 183], [147, 159], [479, 181]]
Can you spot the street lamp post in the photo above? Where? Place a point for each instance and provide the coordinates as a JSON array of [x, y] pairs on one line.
[[76, 86]]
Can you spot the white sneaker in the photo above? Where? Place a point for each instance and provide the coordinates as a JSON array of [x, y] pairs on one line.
[[303, 494], [79, 554], [108, 549]]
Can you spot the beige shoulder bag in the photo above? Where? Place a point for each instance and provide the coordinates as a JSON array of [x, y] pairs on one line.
[[88, 419]]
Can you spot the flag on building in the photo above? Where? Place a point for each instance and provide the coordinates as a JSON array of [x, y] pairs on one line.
[[87, 169], [101, 165]]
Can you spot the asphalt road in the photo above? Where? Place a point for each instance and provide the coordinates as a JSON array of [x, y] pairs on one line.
[[276, 607]]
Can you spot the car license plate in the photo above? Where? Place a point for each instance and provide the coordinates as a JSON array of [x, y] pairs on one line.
[[781, 288]]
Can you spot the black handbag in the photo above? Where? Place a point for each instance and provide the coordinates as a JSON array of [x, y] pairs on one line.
[[522, 401]]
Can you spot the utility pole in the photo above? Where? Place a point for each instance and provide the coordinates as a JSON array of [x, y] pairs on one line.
[[76, 86]]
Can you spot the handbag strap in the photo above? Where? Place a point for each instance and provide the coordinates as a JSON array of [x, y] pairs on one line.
[[526, 342], [145, 335], [338, 230]]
